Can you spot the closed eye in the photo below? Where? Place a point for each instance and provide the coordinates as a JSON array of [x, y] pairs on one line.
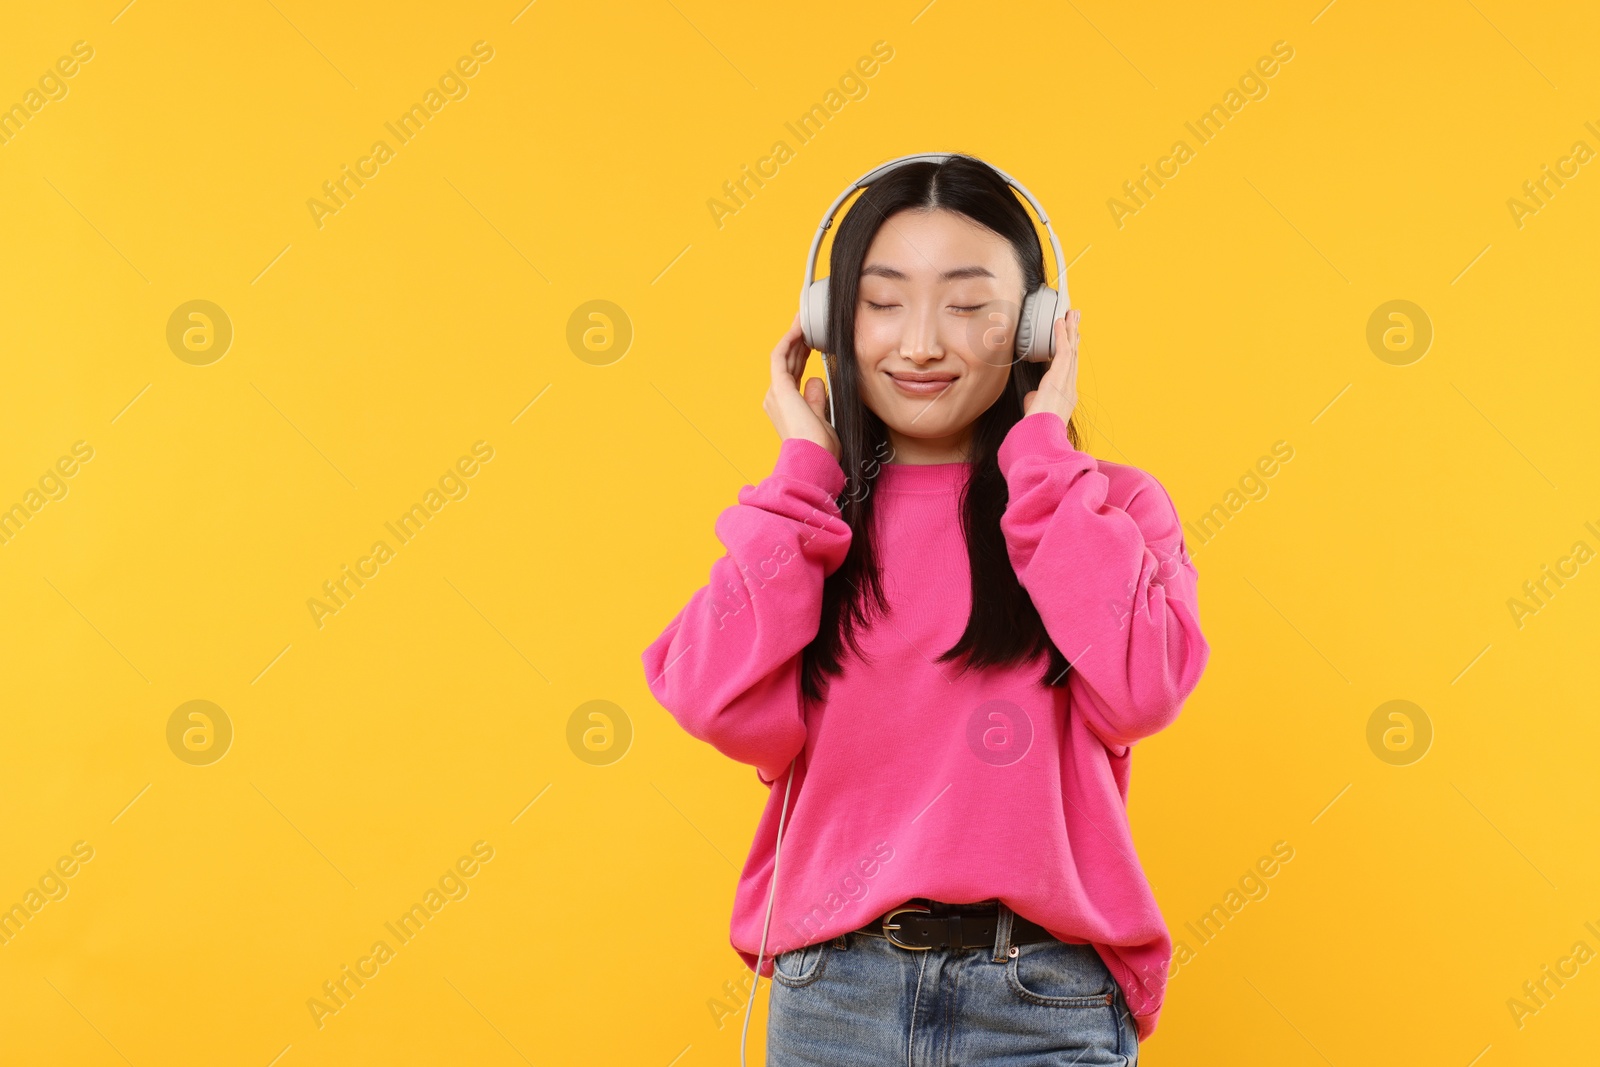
[[953, 307]]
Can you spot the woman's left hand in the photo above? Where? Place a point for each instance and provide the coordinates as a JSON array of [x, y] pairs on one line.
[[1058, 389]]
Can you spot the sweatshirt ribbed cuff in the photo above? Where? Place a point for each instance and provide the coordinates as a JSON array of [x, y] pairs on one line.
[[810, 462], [1042, 433]]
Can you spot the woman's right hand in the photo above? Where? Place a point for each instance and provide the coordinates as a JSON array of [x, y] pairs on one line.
[[792, 414]]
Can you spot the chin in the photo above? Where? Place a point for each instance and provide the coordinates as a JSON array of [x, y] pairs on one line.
[[923, 429]]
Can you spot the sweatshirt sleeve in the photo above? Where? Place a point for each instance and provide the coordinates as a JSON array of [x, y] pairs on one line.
[[727, 667], [1114, 585]]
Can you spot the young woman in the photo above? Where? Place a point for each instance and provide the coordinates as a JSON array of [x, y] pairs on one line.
[[952, 652]]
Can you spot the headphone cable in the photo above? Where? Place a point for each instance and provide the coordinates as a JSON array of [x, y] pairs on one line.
[[777, 853]]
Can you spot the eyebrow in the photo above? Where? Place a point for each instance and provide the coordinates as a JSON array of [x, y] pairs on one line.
[[973, 271]]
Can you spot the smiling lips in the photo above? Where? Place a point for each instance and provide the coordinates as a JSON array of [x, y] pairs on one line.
[[924, 383]]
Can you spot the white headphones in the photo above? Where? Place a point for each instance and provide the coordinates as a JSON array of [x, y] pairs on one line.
[[1035, 341]]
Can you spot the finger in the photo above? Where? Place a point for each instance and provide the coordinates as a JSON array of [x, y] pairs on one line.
[[783, 373], [799, 352], [820, 405], [794, 331], [1062, 372], [790, 353], [783, 345], [1067, 335], [817, 396]]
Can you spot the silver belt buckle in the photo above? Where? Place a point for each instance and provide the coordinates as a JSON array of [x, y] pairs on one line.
[[889, 924]]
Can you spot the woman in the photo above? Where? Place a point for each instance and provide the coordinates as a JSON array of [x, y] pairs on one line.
[[948, 658]]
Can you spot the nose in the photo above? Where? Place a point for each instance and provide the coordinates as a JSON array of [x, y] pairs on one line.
[[920, 338]]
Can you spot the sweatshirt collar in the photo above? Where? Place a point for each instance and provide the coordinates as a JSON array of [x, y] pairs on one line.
[[922, 477]]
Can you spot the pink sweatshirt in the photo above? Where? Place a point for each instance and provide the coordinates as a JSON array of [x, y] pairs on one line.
[[915, 780]]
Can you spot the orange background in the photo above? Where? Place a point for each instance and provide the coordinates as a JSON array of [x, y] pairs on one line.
[[447, 701]]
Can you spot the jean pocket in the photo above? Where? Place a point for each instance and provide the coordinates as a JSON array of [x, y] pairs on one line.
[[1060, 975], [800, 966]]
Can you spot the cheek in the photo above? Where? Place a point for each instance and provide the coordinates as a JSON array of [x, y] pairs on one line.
[[868, 376], [990, 335], [876, 336], [988, 381]]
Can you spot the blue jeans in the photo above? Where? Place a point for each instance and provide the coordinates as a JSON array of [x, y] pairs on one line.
[[858, 1000]]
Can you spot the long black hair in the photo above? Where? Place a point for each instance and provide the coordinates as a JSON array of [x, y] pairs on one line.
[[1004, 626]]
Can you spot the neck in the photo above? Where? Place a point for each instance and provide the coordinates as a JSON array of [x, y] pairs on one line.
[[919, 451]]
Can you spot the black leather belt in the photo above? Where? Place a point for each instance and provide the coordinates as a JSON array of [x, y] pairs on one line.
[[923, 924]]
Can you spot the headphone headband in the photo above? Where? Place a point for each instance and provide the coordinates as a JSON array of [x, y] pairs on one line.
[[933, 157]]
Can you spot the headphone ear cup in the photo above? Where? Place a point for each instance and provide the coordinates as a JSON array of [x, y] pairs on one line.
[[1036, 340], [814, 315]]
